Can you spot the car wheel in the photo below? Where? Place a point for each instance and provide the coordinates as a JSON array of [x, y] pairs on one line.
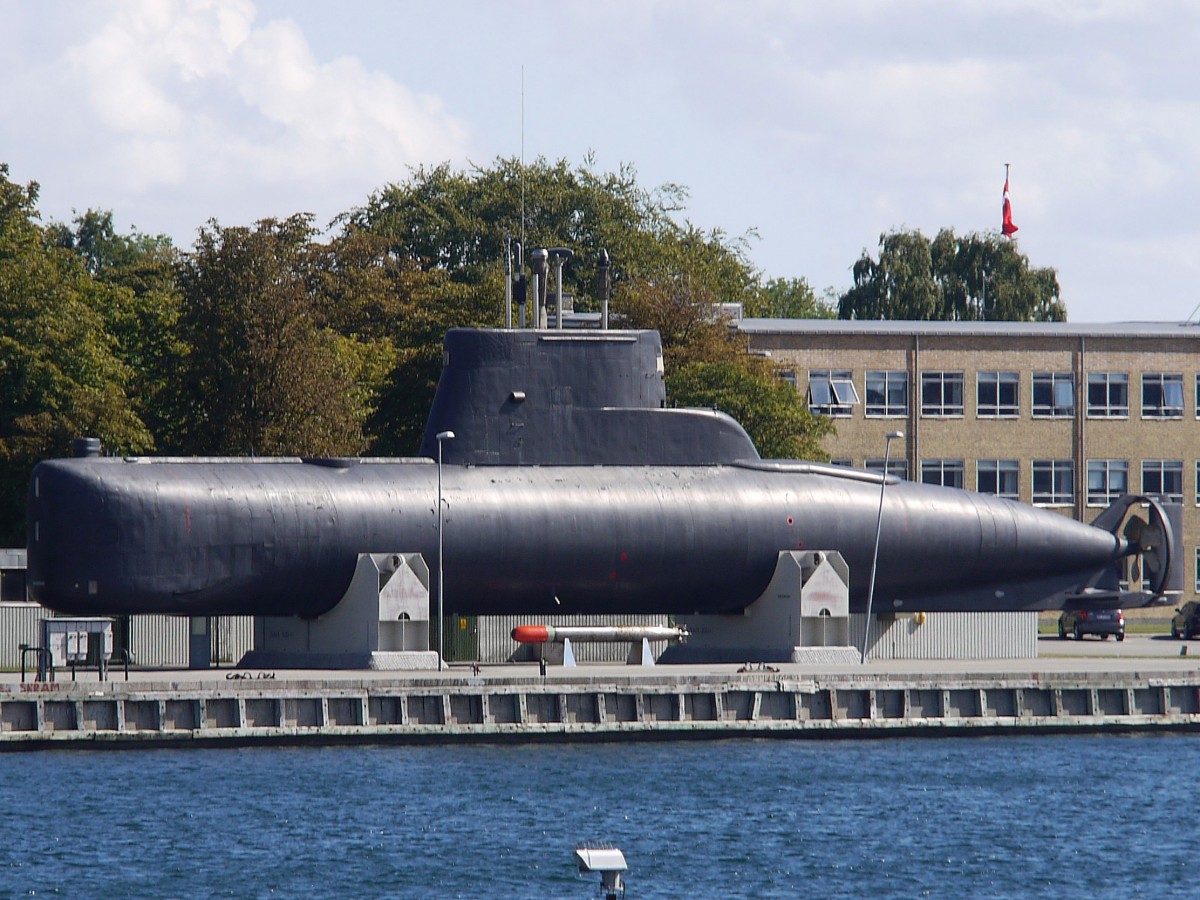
[[1121, 636], [1078, 634], [1174, 631], [1105, 637], [1062, 632]]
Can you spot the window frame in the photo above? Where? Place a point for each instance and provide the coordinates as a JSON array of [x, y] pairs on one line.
[[941, 380], [1056, 469], [1163, 467], [836, 388], [887, 409], [1052, 381], [944, 467], [998, 382], [1163, 381], [1108, 381], [999, 468], [1108, 468]]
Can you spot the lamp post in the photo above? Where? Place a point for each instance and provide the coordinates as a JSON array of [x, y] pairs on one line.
[[441, 438], [887, 455]]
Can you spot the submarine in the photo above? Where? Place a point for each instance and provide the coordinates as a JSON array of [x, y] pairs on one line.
[[566, 486]]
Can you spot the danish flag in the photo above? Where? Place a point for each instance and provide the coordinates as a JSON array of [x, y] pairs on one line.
[[1008, 229]]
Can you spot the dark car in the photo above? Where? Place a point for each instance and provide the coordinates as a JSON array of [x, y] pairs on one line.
[[1186, 621], [1101, 622]]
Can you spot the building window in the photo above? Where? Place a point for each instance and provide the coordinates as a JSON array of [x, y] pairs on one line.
[[1107, 479], [887, 394], [941, 393], [1197, 570], [831, 392], [1053, 482], [1198, 482], [1108, 395], [788, 376], [1163, 478], [1162, 395], [1053, 395], [947, 472], [997, 395], [897, 467], [1001, 477]]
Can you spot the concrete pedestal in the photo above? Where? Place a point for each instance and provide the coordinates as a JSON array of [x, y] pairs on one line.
[[382, 622], [803, 615]]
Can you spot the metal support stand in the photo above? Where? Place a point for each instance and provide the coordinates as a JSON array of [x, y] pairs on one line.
[[802, 616], [382, 622]]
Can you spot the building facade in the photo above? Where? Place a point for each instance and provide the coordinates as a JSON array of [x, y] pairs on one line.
[[1063, 416]]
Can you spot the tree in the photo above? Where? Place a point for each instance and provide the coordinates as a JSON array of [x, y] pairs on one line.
[[261, 375], [459, 222], [142, 311], [789, 298], [60, 376], [952, 278], [452, 227], [708, 364]]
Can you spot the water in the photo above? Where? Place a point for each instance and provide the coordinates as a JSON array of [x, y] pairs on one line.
[[1073, 816]]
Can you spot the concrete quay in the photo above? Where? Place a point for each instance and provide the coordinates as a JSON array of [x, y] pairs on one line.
[[1142, 684]]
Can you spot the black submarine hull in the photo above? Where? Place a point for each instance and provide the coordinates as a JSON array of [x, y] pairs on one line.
[[282, 537]]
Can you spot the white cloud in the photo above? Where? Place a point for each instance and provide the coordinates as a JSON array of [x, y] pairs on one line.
[[199, 91]]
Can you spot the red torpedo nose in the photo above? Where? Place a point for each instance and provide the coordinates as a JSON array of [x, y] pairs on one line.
[[531, 634]]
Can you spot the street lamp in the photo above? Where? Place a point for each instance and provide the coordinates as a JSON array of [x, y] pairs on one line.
[[441, 438], [887, 455]]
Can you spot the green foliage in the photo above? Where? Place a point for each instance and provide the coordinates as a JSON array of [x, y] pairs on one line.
[[142, 309], [708, 364], [261, 375], [952, 278], [459, 222], [789, 298], [60, 376], [772, 412]]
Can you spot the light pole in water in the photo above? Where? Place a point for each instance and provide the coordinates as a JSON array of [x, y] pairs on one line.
[[442, 437], [887, 455]]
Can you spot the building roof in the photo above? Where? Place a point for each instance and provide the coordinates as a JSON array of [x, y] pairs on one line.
[[970, 329]]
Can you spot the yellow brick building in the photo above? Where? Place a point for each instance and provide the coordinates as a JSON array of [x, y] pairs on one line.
[[1065, 416]]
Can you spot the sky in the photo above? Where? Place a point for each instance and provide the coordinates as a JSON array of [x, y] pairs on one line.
[[808, 127]]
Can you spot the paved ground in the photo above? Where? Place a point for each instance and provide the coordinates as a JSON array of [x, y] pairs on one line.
[[1146, 655]]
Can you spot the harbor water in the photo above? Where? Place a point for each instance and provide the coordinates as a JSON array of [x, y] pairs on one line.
[[1046, 816]]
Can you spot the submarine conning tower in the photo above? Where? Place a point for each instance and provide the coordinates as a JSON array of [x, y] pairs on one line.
[[541, 397]]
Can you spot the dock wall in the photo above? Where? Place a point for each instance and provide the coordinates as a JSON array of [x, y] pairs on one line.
[[653, 707]]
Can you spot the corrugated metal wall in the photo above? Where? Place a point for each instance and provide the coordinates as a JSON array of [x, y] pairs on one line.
[[18, 625], [950, 635], [163, 640], [496, 643]]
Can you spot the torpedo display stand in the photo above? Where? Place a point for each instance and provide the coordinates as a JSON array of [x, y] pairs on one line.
[[382, 622], [803, 616]]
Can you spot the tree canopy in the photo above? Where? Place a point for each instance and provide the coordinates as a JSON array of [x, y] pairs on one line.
[[952, 278]]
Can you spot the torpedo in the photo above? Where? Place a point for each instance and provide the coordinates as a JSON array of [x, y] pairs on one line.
[[565, 486]]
